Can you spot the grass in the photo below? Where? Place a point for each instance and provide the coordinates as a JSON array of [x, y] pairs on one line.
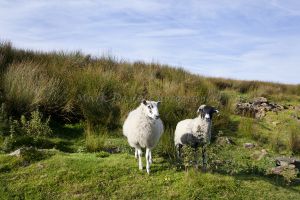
[[89, 176]]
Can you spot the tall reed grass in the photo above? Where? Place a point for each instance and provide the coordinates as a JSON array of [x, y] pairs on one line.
[[102, 90]]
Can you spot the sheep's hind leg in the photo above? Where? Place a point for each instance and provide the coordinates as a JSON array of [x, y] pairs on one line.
[[204, 158], [140, 158], [179, 156], [148, 153], [196, 158]]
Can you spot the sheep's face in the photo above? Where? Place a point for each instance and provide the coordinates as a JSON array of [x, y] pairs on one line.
[[206, 112], [151, 108]]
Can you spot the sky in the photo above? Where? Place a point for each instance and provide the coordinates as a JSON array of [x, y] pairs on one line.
[[240, 39]]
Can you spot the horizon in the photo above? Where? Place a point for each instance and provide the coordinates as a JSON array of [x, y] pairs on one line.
[[243, 40]]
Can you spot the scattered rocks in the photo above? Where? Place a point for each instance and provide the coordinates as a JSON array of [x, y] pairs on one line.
[[223, 141], [249, 145], [286, 167], [285, 161], [30, 154], [257, 108], [24, 151]]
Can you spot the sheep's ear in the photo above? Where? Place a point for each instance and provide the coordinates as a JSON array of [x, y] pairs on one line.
[[216, 111], [144, 102], [199, 110], [158, 103]]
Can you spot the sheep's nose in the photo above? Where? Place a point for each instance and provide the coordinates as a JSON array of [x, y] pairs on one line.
[[157, 117], [207, 116]]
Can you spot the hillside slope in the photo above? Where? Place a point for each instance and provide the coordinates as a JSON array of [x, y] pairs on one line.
[[73, 105]]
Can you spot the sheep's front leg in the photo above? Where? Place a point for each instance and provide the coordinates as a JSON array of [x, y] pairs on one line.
[[204, 158], [178, 150], [148, 155], [139, 151], [136, 153]]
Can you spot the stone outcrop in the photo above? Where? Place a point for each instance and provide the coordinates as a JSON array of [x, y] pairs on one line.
[[284, 163], [257, 108]]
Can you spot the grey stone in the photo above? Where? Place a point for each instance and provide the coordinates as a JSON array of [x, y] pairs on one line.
[[257, 108], [249, 145]]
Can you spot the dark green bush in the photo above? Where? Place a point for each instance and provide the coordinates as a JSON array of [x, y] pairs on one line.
[[35, 127], [26, 133]]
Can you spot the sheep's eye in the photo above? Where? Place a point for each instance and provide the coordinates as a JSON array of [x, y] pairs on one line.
[[149, 107]]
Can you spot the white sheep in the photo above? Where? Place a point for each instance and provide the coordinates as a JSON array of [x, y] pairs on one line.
[[195, 132], [143, 128]]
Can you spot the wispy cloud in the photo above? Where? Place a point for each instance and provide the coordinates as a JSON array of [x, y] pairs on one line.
[[245, 39]]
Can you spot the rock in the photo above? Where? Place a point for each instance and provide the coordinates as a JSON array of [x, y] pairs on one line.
[[258, 155], [29, 153], [285, 161], [286, 167], [260, 100], [257, 108], [277, 170], [224, 141], [292, 166], [280, 169], [260, 114], [249, 145], [16, 153], [40, 165], [275, 123]]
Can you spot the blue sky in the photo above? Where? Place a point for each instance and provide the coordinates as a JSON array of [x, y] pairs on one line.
[[242, 39]]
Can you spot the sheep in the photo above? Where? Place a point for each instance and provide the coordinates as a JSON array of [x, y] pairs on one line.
[[195, 132], [143, 129]]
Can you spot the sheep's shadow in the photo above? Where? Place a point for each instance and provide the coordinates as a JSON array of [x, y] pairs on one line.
[[164, 164], [192, 140], [275, 180]]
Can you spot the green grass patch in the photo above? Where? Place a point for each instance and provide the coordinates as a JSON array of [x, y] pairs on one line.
[[88, 176]]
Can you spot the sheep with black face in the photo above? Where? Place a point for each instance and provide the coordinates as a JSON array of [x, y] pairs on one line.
[[195, 132], [143, 128]]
